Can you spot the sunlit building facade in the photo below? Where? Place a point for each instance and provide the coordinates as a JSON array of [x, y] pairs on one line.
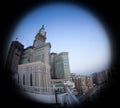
[[34, 70], [83, 83], [37, 69]]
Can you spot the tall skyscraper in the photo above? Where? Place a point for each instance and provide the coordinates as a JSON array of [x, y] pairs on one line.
[[36, 66], [62, 69], [52, 65], [34, 69], [60, 65]]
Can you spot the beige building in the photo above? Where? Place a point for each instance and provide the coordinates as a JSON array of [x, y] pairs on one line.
[[89, 82], [35, 69], [82, 83], [34, 77]]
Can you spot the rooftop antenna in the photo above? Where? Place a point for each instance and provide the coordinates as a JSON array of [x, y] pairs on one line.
[[43, 27]]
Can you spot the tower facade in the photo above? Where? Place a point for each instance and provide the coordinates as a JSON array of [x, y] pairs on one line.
[[40, 38], [34, 70]]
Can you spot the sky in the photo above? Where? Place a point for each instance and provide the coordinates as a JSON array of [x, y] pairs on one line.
[[71, 29]]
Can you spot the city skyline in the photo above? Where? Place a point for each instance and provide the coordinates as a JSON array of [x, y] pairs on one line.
[[72, 29]]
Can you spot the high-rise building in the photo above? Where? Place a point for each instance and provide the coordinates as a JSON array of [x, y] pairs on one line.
[[62, 69], [60, 65], [83, 83], [36, 66], [14, 57], [34, 70], [89, 81], [100, 77], [52, 65]]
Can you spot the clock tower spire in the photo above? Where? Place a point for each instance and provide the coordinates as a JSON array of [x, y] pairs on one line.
[[40, 37]]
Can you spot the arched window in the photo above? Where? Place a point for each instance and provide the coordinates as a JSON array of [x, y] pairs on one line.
[[30, 79], [23, 79]]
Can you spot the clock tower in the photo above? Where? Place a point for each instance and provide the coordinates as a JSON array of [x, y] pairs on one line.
[[40, 37]]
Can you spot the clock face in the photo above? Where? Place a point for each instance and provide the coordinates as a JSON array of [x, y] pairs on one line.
[[42, 33]]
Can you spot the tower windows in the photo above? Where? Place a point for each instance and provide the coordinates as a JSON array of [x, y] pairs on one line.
[[31, 79], [23, 79]]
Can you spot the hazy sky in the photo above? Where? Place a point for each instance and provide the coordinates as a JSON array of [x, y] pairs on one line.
[[72, 29]]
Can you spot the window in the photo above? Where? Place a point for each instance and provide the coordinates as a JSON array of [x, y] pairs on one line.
[[31, 79], [23, 79]]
